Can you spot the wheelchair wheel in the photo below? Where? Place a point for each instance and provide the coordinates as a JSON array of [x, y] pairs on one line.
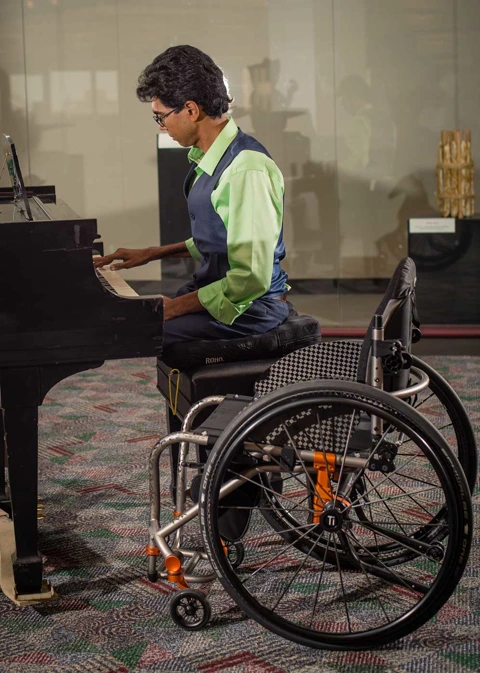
[[440, 404], [436, 252], [364, 555]]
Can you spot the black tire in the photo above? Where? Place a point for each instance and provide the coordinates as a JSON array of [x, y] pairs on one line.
[[418, 588], [452, 422], [190, 609]]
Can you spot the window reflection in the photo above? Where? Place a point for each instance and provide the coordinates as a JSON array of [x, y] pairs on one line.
[[75, 92], [348, 96]]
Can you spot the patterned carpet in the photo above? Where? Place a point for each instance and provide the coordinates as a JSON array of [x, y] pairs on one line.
[[97, 429]]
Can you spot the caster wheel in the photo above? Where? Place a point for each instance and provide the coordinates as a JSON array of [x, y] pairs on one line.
[[235, 553], [152, 577], [190, 609]]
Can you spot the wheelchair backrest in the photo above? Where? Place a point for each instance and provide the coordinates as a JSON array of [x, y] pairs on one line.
[[398, 312]]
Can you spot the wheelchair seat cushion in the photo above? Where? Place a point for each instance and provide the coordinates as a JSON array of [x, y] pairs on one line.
[[297, 331]]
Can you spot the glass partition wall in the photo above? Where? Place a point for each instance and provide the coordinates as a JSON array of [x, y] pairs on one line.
[[349, 97]]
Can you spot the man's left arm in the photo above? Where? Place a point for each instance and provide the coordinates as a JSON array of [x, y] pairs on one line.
[[250, 203], [187, 303]]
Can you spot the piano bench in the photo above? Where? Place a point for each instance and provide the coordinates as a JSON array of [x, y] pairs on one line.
[[227, 366], [195, 384]]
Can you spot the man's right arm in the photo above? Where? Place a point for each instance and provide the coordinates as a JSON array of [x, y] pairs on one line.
[[138, 257]]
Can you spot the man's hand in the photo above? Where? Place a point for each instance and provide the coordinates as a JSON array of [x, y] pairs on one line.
[[187, 303], [130, 258], [167, 305]]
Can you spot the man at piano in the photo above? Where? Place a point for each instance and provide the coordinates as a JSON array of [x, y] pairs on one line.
[[234, 192]]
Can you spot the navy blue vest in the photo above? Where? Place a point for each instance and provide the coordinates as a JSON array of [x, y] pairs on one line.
[[208, 230]]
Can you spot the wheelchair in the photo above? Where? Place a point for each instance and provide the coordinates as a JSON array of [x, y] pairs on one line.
[[330, 507]]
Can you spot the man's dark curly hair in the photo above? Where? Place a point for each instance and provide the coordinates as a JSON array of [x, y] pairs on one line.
[[185, 73]]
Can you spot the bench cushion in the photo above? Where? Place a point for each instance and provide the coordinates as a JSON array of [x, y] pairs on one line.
[[296, 332]]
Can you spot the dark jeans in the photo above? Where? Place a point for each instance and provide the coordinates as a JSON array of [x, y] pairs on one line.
[[263, 315]]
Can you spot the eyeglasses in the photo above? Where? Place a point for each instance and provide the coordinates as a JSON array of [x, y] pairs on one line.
[[160, 119]]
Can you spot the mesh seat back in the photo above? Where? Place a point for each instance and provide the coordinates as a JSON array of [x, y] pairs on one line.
[[329, 360], [345, 360]]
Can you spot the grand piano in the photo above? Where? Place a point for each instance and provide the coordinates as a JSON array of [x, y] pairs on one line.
[[58, 316]]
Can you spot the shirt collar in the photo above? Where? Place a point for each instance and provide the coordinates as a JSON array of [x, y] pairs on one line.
[[207, 161]]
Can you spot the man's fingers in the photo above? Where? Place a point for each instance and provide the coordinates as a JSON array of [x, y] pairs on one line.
[[120, 265], [102, 261]]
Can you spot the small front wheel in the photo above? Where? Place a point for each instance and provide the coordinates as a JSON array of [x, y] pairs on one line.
[[190, 609]]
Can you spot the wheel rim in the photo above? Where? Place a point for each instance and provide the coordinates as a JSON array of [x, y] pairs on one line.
[[375, 601]]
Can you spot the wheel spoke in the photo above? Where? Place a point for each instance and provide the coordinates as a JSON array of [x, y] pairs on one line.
[[404, 495], [411, 585], [419, 504], [417, 406], [388, 508], [282, 551], [384, 480], [339, 567], [319, 583], [372, 590], [345, 454], [420, 481], [278, 463], [294, 577], [368, 459], [290, 529], [265, 488]]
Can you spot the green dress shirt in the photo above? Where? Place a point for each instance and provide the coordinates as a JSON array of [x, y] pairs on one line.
[[249, 200]]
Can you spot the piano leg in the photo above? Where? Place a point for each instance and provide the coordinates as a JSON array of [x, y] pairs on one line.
[[21, 429], [4, 499]]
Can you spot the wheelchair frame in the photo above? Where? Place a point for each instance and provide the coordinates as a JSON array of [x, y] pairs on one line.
[[172, 568], [170, 559]]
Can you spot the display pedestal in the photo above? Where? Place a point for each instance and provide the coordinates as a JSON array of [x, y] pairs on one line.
[[446, 252]]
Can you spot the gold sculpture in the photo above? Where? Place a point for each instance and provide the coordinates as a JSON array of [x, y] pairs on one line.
[[455, 192]]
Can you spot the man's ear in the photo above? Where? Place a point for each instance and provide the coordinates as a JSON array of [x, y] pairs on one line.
[[194, 110]]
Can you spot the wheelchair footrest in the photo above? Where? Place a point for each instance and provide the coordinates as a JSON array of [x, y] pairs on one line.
[[218, 420]]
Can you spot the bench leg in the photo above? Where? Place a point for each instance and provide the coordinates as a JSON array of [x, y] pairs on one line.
[[174, 424]]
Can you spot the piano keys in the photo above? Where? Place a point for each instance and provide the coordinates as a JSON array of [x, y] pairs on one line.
[[114, 282]]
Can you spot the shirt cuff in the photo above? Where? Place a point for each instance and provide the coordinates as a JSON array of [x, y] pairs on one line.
[[213, 299], [193, 250]]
